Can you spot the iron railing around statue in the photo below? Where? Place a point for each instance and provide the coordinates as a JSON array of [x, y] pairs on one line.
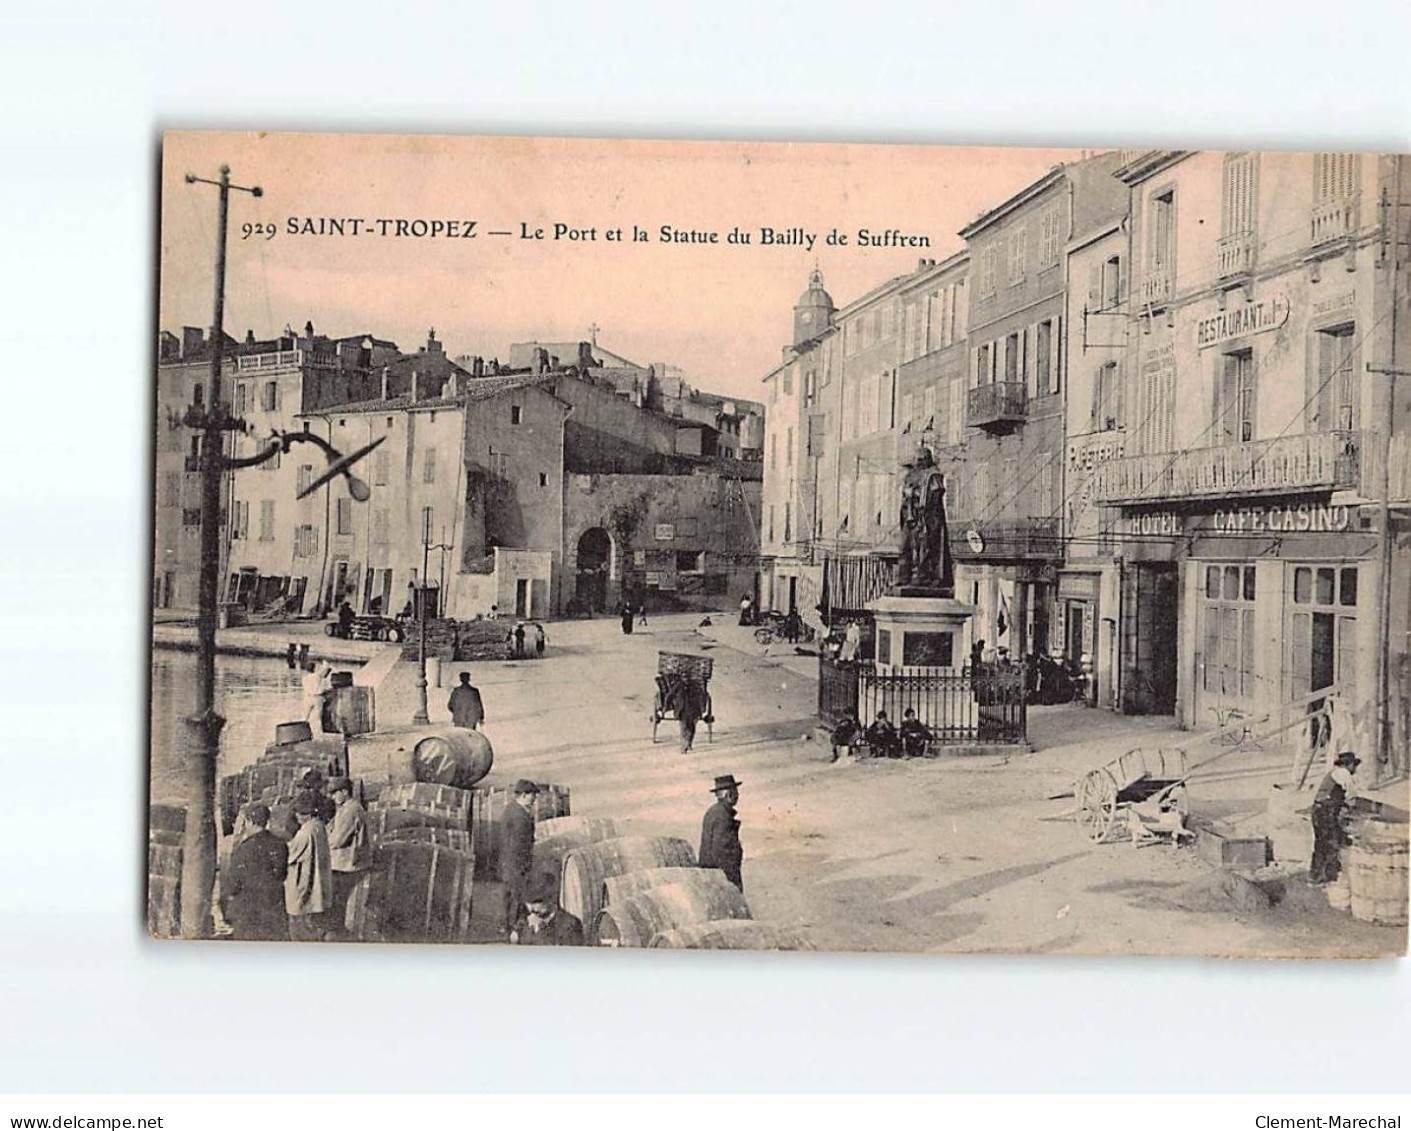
[[958, 707]]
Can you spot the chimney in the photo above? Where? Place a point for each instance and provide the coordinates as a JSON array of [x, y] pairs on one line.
[[249, 337], [477, 367], [432, 345], [541, 360], [585, 355], [384, 382], [309, 332], [415, 389], [192, 339]]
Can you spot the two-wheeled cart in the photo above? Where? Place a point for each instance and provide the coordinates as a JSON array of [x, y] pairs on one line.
[[683, 673]]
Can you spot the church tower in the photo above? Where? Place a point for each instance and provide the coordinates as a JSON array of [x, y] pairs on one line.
[[814, 311]]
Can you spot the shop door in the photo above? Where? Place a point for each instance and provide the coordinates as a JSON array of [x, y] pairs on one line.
[[793, 594], [1148, 661], [367, 592], [1074, 649], [521, 597]]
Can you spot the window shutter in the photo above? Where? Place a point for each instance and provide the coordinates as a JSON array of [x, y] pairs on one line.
[[1027, 373], [1055, 379]]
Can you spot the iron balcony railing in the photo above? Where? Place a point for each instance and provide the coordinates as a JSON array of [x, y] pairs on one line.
[[1234, 254], [1016, 538], [1286, 463], [1333, 219], [1157, 286], [1001, 402]]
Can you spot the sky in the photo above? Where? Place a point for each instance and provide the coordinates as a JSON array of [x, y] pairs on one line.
[[722, 311]]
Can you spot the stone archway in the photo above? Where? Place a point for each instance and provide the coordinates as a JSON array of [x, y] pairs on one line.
[[594, 566]]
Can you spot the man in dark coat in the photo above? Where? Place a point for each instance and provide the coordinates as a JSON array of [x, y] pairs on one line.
[[1329, 809], [545, 923], [720, 832], [465, 706], [882, 737], [252, 889], [687, 702], [517, 850]]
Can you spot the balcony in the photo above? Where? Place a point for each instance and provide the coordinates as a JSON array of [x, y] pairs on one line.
[[1311, 462], [1334, 220], [1158, 285], [191, 462], [1234, 255], [1000, 405], [1016, 538]]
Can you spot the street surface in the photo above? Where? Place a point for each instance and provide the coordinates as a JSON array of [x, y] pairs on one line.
[[953, 854]]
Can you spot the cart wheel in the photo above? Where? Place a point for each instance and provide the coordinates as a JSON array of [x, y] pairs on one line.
[[1097, 805], [330, 629], [764, 636], [394, 634]]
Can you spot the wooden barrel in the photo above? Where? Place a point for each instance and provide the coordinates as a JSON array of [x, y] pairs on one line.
[[1339, 891], [733, 934], [415, 892], [286, 734], [426, 795], [166, 831], [616, 888], [558, 836], [695, 895], [1377, 871], [452, 756], [349, 710], [383, 819], [585, 869], [487, 813], [459, 839]]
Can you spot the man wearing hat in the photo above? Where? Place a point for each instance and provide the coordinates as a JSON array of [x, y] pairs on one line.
[[349, 848], [517, 850], [720, 832], [545, 923], [308, 884], [252, 886], [467, 711], [1329, 808]]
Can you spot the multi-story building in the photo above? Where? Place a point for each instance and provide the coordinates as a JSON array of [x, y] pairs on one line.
[[1095, 326], [1012, 544], [1262, 290]]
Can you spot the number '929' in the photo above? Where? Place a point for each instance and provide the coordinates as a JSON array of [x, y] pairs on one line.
[[257, 231]]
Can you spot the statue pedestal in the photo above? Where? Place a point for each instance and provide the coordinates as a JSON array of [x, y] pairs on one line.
[[918, 629]]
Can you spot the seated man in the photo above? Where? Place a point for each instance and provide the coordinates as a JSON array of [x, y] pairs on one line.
[[545, 923], [845, 735], [915, 735], [1158, 819], [882, 737]]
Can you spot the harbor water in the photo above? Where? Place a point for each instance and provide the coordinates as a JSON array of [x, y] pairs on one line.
[[253, 693]]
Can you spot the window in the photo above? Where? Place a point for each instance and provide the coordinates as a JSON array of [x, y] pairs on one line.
[[771, 522], [1014, 358], [1050, 237], [789, 448], [344, 511], [1018, 250], [239, 397], [889, 319], [198, 394], [266, 520], [1334, 176], [773, 451], [379, 525], [305, 541], [1324, 629], [1161, 249], [1043, 486], [428, 473], [380, 463], [1234, 398], [928, 407], [428, 524], [688, 527], [1228, 615], [1043, 359], [543, 479], [910, 347], [1107, 398], [304, 478], [516, 417], [272, 464], [1237, 198], [908, 409], [1335, 396], [788, 522], [809, 386], [269, 396], [788, 382], [989, 270], [689, 561], [982, 364], [1111, 295], [955, 431]]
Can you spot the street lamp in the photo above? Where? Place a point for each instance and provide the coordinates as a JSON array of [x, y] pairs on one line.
[[213, 423]]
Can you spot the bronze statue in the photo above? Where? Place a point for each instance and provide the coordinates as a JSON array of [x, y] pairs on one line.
[[925, 552]]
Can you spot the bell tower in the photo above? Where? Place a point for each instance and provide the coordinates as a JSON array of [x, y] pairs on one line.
[[813, 313]]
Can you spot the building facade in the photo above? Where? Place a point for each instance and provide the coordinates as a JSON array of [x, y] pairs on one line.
[[1262, 289]]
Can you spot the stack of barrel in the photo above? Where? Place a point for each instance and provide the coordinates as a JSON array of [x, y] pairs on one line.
[[641, 891], [1376, 870], [435, 876], [271, 778]]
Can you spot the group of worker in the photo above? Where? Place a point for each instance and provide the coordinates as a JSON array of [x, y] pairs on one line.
[[298, 890], [881, 738]]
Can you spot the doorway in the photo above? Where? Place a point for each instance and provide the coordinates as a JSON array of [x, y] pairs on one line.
[[594, 560], [1148, 661], [521, 597]]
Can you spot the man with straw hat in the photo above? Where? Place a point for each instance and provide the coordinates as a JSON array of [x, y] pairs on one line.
[[1329, 808]]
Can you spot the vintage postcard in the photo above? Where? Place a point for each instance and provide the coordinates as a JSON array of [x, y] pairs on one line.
[[790, 547]]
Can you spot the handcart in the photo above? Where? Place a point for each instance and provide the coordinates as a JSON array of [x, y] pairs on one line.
[[673, 670], [1111, 797]]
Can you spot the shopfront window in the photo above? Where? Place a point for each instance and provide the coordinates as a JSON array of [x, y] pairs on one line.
[[1228, 618], [1324, 630]]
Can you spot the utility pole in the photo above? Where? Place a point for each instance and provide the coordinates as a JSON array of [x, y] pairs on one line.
[[198, 867], [423, 715]]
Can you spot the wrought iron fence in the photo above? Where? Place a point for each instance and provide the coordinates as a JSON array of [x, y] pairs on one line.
[[958, 707]]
